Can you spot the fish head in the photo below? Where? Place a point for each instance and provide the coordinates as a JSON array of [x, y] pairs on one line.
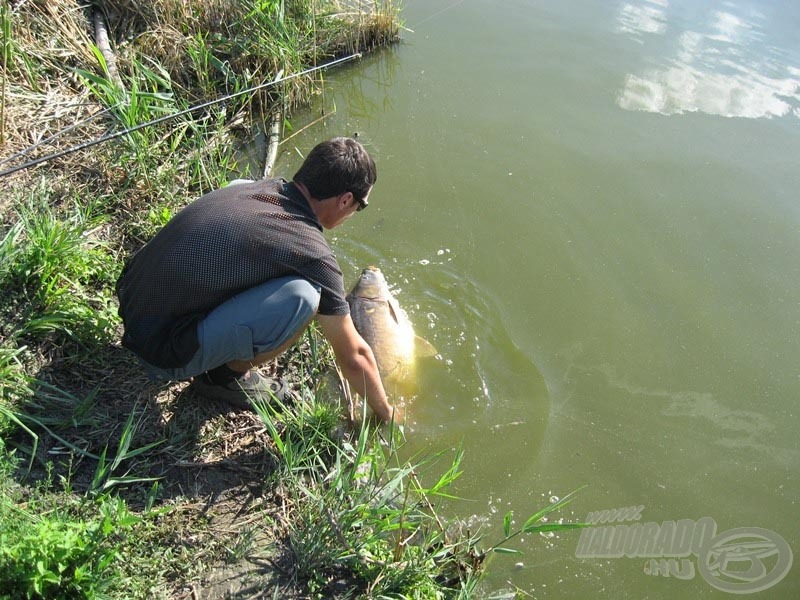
[[371, 284]]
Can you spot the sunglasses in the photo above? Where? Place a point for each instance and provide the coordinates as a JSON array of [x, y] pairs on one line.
[[362, 204]]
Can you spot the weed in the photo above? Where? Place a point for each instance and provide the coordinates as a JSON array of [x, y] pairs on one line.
[[14, 381], [57, 269], [57, 553], [358, 520], [9, 250], [536, 523], [104, 477]]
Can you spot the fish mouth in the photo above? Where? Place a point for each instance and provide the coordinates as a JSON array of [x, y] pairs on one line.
[[372, 275], [371, 285]]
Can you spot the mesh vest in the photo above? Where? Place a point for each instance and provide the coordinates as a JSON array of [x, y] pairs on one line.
[[225, 242]]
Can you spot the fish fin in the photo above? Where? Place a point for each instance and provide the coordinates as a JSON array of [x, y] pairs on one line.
[[423, 347], [394, 308]]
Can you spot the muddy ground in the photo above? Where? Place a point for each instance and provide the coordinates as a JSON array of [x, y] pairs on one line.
[[222, 510]]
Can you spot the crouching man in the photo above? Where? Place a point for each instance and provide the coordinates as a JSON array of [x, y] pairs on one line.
[[235, 277]]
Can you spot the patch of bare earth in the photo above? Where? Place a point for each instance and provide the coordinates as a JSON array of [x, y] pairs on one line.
[[212, 464]]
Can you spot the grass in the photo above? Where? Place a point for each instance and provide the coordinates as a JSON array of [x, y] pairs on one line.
[[61, 270], [359, 525], [114, 486], [52, 549]]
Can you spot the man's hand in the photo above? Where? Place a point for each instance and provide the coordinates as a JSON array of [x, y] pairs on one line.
[[358, 364], [398, 415]]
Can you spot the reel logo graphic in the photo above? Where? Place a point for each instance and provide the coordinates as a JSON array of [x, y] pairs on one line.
[[734, 562], [739, 561]]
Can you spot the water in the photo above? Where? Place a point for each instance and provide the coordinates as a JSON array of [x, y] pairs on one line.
[[591, 210]]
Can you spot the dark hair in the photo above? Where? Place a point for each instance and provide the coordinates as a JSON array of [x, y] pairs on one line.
[[337, 166]]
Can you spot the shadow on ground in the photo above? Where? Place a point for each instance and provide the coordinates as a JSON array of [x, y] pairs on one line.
[[211, 464]]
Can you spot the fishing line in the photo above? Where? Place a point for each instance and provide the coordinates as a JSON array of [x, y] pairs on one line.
[[436, 14], [186, 111]]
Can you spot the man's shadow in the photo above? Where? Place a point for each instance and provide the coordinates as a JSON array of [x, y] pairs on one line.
[[102, 425]]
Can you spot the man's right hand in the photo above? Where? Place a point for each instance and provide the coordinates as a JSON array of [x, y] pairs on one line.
[[358, 365]]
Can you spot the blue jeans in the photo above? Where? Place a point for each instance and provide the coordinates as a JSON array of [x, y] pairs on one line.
[[259, 319]]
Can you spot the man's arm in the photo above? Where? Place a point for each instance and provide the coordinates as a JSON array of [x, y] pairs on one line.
[[357, 362]]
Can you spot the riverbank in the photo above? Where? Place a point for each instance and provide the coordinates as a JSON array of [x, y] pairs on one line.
[[111, 485]]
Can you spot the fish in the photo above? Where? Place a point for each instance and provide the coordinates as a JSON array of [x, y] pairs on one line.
[[385, 326]]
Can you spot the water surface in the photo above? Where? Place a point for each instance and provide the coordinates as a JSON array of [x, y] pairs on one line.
[[591, 210]]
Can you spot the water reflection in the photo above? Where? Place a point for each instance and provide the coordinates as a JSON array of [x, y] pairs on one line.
[[369, 96], [724, 65], [648, 17]]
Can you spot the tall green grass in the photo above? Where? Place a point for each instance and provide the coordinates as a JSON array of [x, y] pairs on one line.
[[361, 522], [57, 271]]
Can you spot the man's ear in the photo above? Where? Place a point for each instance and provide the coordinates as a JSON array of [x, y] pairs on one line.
[[346, 199]]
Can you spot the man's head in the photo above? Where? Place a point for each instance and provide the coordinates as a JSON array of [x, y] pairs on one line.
[[337, 166]]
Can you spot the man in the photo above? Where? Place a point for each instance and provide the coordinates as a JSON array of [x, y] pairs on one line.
[[234, 278]]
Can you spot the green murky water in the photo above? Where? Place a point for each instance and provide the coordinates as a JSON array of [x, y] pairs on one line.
[[591, 209]]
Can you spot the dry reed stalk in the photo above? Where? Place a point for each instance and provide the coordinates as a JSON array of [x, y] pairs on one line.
[[131, 18], [43, 102], [103, 43], [44, 122], [62, 34], [168, 47], [273, 139]]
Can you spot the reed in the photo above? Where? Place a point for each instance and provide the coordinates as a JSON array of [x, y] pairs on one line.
[[361, 522]]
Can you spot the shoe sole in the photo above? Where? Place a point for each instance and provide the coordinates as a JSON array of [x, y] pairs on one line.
[[241, 399]]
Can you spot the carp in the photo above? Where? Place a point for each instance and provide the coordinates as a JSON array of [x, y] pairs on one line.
[[388, 331]]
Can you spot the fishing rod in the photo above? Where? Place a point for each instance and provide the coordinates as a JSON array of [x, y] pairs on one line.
[[186, 111]]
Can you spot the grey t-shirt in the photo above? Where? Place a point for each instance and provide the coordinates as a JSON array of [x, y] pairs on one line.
[[225, 242]]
